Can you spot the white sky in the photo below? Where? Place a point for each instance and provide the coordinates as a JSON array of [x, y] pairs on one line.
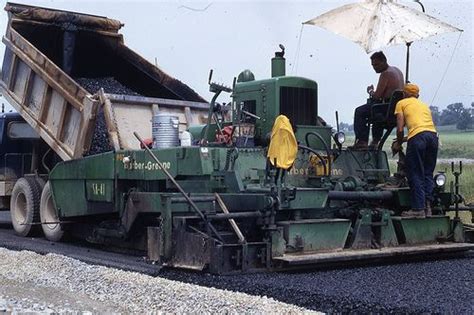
[[230, 36]]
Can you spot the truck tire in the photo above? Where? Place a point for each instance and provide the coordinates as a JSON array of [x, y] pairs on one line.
[[41, 182], [48, 213], [24, 206]]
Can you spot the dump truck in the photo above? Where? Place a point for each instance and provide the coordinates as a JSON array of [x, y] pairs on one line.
[[52, 61], [218, 204]]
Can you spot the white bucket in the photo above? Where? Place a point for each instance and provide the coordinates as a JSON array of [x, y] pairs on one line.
[[185, 138]]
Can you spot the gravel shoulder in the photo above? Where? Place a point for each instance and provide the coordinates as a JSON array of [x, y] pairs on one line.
[[52, 283], [25, 296]]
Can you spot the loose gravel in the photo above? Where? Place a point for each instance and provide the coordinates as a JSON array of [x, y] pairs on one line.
[[58, 284]]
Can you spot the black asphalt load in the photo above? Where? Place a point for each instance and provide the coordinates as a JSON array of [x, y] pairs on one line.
[[100, 140], [109, 84], [443, 286]]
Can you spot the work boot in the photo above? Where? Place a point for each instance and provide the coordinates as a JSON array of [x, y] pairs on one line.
[[359, 145], [414, 213], [428, 212]]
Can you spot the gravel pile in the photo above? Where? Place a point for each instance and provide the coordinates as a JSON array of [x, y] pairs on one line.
[[444, 287], [78, 287], [100, 141]]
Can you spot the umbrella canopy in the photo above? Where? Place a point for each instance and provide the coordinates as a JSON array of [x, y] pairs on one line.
[[374, 24]]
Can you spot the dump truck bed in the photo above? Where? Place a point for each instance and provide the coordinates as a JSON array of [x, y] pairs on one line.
[[47, 51]]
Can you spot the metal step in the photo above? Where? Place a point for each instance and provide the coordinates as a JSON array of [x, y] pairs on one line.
[[368, 254]]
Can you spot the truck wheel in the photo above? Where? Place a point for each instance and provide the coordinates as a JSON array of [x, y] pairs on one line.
[[41, 182], [24, 206], [48, 213]]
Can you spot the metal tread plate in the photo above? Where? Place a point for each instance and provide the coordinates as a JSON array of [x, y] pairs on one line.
[[367, 254]]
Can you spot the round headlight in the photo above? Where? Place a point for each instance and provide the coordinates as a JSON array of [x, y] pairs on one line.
[[440, 179], [340, 137]]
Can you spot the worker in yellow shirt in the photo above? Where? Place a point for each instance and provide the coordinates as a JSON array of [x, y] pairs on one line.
[[422, 149]]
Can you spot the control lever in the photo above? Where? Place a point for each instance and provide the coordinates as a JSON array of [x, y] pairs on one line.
[[457, 197], [250, 114], [216, 87]]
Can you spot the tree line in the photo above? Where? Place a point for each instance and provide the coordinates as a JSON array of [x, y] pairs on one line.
[[454, 114]]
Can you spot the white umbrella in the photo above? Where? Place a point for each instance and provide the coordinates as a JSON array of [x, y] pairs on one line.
[[374, 24]]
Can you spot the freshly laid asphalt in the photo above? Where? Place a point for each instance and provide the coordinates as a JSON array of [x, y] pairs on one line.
[[445, 286]]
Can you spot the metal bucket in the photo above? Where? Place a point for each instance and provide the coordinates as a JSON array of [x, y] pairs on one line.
[[165, 131]]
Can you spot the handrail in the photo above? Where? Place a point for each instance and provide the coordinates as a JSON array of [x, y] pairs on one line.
[[328, 152]]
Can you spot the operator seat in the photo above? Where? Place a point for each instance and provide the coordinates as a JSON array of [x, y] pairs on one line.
[[383, 115]]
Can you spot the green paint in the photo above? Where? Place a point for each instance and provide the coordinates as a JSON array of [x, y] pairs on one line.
[[388, 237], [362, 231], [413, 231], [315, 235], [99, 190]]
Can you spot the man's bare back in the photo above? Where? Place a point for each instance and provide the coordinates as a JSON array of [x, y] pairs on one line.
[[389, 81]]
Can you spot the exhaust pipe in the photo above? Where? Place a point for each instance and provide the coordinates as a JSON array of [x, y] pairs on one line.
[[278, 63]]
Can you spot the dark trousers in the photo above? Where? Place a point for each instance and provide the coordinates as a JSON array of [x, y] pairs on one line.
[[422, 152], [361, 124]]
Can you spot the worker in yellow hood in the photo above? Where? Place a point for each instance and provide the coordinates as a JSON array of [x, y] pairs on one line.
[[283, 146]]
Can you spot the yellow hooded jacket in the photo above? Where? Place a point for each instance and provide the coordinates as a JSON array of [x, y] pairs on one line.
[[283, 145]]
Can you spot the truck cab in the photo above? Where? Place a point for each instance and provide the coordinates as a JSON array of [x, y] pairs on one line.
[[19, 143]]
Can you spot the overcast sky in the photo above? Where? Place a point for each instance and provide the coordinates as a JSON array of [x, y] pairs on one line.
[[190, 37]]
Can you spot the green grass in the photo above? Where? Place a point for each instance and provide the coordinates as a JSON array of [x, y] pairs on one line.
[[456, 145], [452, 144]]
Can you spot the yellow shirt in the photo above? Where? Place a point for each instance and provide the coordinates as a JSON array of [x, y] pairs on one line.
[[417, 116]]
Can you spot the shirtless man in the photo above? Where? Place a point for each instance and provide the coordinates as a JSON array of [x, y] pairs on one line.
[[391, 79]]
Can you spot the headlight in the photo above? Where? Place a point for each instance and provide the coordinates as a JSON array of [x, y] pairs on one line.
[[440, 179], [340, 137]]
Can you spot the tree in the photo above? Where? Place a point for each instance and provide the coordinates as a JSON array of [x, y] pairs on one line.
[[452, 114], [466, 119]]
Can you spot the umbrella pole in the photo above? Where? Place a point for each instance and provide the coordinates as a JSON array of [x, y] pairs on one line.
[[408, 46], [408, 63]]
